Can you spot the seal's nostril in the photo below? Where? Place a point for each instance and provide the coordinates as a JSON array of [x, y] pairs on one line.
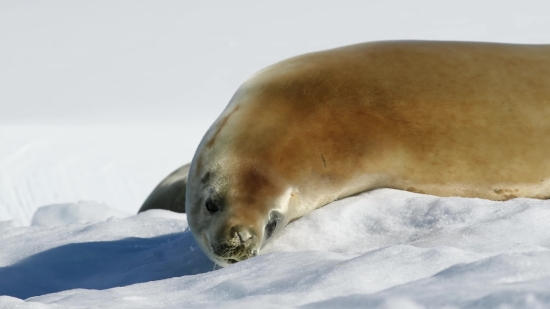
[[244, 233]]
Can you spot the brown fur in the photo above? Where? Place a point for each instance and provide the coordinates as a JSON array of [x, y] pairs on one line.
[[442, 118]]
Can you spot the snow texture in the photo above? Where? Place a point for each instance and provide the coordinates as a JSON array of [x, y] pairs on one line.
[[381, 249]]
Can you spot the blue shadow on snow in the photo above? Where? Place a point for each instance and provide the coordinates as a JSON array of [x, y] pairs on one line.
[[104, 264]]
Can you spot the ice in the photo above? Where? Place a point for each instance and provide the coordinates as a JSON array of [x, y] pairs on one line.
[[384, 248]]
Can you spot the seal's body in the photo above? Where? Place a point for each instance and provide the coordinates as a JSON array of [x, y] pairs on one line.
[[442, 118]]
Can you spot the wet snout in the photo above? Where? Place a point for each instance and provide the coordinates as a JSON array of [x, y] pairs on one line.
[[236, 244]]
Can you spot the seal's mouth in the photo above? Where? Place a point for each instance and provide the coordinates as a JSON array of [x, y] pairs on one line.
[[231, 261], [225, 254], [221, 261]]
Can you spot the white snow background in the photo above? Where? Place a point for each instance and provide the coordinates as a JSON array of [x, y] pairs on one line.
[[100, 100]]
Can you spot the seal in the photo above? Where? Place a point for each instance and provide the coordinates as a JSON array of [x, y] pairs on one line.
[[442, 118], [169, 194]]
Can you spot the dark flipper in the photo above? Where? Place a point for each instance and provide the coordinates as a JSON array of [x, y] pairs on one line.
[[169, 193]]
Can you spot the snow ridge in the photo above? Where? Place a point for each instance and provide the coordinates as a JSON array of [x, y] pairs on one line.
[[383, 249]]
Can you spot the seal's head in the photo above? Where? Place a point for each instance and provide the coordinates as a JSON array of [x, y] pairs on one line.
[[233, 211], [235, 200]]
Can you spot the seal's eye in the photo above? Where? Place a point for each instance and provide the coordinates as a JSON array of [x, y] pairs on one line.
[[212, 206]]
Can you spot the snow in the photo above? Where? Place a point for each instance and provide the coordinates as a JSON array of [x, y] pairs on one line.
[[64, 214], [385, 249], [99, 101]]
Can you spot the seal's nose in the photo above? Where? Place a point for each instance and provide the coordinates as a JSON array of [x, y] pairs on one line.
[[245, 234]]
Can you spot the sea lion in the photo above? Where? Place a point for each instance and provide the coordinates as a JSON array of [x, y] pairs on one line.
[[442, 118], [169, 194]]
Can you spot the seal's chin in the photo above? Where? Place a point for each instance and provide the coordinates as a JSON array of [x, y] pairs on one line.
[[223, 261], [232, 259]]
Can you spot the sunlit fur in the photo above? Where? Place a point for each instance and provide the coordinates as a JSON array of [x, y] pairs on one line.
[[442, 118]]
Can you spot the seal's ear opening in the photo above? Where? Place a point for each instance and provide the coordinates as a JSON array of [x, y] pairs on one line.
[[275, 219]]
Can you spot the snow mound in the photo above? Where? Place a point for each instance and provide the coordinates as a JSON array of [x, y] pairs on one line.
[[64, 214], [381, 249], [117, 252]]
